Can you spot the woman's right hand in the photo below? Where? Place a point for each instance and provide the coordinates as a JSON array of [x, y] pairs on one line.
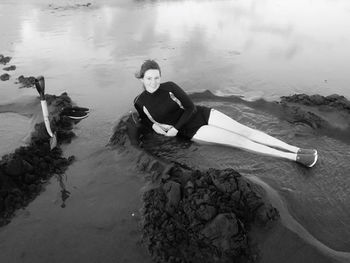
[[158, 129]]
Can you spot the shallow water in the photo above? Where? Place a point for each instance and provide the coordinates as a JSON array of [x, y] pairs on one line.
[[14, 128], [250, 48]]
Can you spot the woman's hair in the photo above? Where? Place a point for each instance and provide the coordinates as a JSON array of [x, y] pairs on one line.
[[147, 64]]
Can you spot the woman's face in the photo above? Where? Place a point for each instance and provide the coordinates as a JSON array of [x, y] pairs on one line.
[[151, 80]]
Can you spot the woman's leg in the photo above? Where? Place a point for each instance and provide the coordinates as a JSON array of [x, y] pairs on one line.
[[221, 120], [212, 134]]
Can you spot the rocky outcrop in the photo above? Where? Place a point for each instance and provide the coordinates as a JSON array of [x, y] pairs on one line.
[[4, 59], [328, 115], [193, 215], [327, 103], [197, 220], [24, 172], [26, 82], [5, 77], [10, 68], [70, 6]]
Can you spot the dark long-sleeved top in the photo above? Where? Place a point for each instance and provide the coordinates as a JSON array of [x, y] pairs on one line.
[[169, 104]]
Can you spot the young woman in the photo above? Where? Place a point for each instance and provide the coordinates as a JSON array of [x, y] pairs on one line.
[[170, 112]]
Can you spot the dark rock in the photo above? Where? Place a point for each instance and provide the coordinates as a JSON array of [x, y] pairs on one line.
[[334, 101], [4, 60], [328, 116], [30, 178], [334, 97], [14, 167], [173, 194], [189, 187], [5, 77], [317, 99], [65, 136], [32, 188], [206, 212], [212, 216], [71, 159], [224, 180], [23, 172], [295, 114], [27, 167], [2, 205], [265, 214], [13, 67], [26, 82]]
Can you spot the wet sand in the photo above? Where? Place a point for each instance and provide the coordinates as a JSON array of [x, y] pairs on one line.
[[97, 224]]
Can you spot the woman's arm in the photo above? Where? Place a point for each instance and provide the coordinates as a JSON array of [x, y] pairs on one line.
[[149, 122], [144, 119], [187, 104]]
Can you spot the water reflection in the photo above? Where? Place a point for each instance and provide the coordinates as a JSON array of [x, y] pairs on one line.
[[262, 47], [286, 44]]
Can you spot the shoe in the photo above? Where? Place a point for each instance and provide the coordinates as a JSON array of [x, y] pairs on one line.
[[307, 151], [308, 160], [75, 113]]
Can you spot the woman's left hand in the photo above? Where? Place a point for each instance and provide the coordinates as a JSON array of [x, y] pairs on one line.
[[165, 127], [171, 132]]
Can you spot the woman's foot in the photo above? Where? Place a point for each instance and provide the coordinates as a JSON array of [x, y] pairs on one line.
[[308, 160], [307, 151]]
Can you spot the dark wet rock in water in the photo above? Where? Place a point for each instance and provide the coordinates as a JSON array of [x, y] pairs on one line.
[[335, 101], [296, 114], [70, 7], [205, 224], [5, 77], [224, 181], [23, 172], [173, 193], [328, 115], [10, 68], [194, 215], [26, 82], [4, 59]]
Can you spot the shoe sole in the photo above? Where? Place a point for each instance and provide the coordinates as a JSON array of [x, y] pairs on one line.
[[78, 117], [75, 109], [315, 161]]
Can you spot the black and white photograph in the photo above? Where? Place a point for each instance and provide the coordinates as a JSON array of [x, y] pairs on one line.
[[174, 131]]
